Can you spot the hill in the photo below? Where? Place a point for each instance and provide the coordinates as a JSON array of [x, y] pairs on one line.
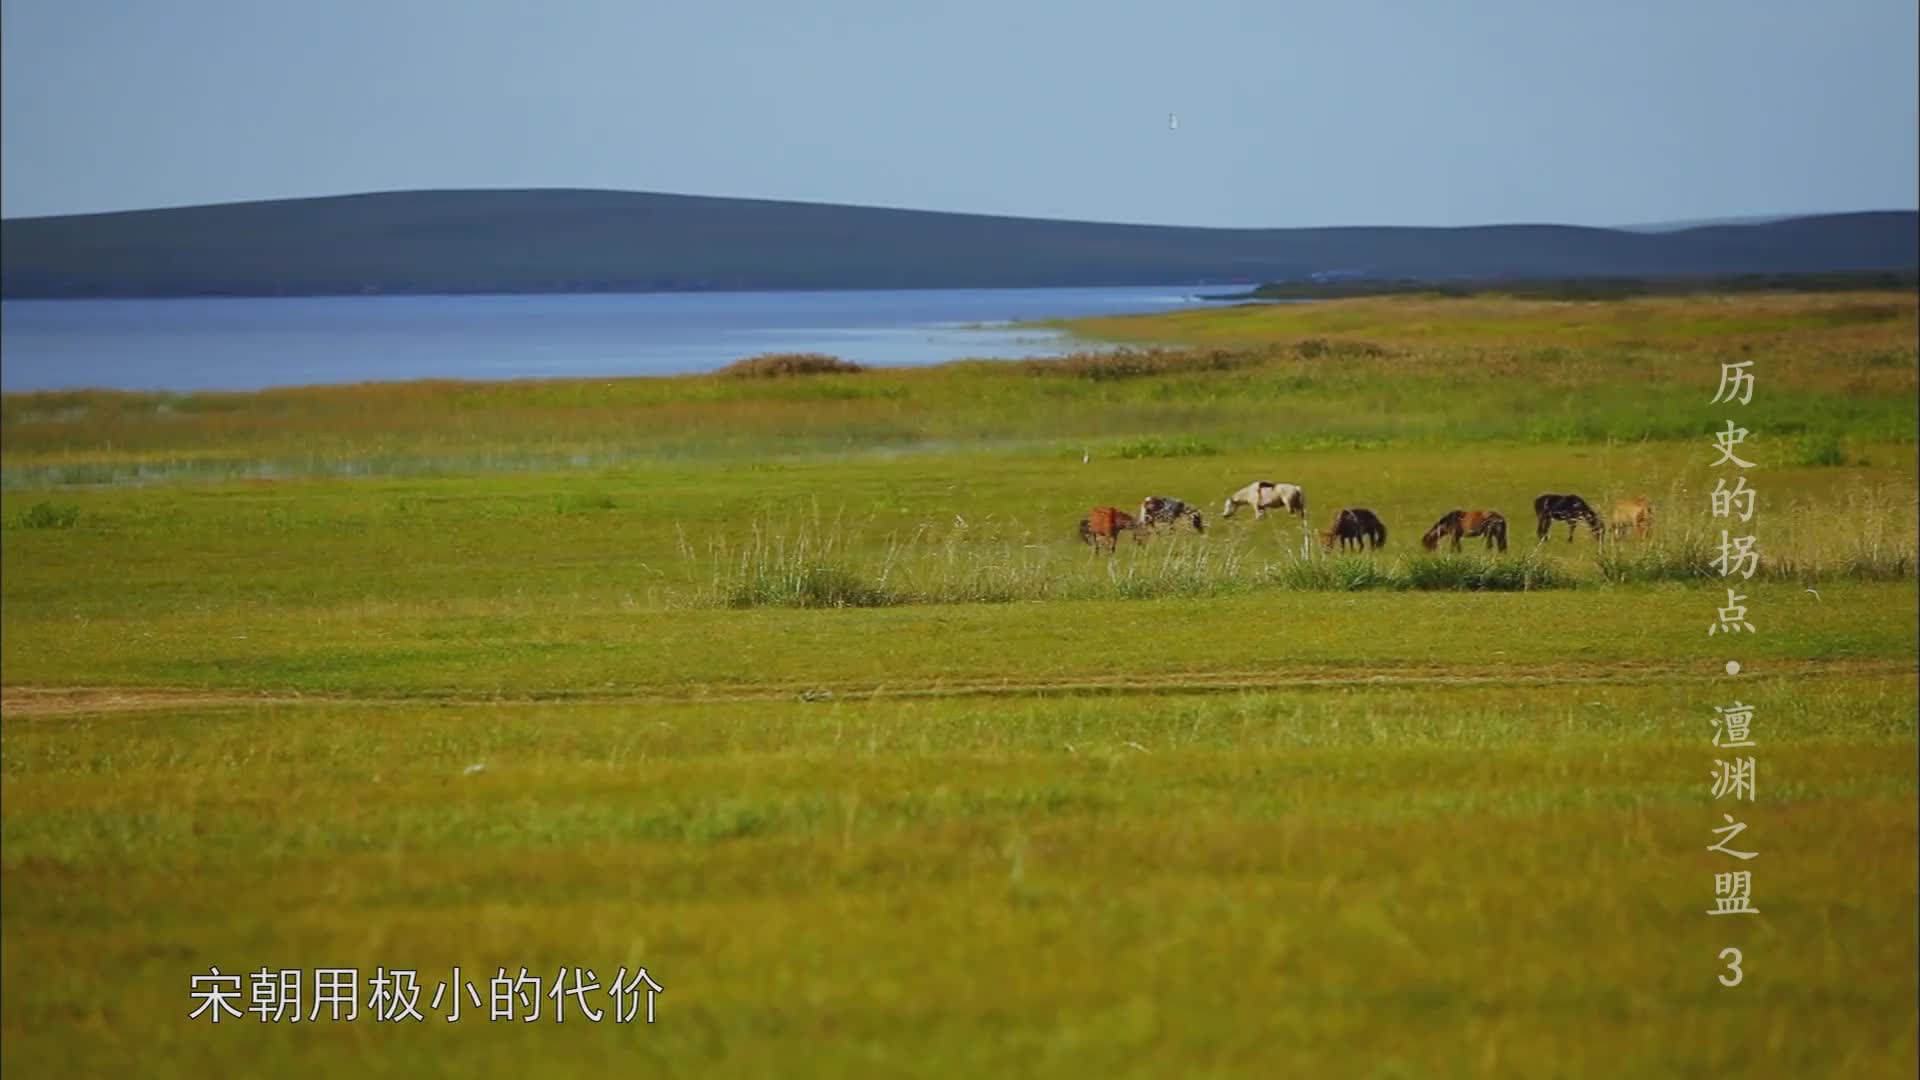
[[606, 241]]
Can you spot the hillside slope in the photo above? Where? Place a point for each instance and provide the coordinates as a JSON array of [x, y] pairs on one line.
[[567, 241]]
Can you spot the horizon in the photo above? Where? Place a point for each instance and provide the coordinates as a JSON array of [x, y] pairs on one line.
[[1313, 118], [1712, 221]]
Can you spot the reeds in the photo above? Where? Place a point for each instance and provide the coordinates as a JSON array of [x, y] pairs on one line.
[[813, 564], [1860, 534], [45, 515], [777, 365], [1134, 363], [1864, 535]]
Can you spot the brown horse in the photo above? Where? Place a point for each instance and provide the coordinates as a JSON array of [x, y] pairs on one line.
[[1634, 514], [1357, 526], [1459, 523], [1103, 525]]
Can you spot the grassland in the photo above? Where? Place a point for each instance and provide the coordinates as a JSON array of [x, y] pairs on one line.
[[1207, 806], [1407, 373]]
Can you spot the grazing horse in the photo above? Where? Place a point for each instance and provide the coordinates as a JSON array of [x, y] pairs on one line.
[[1264, 495], [1357, 526], [1635, 514], [1103, 525], [1161, 510], [1459, 523], [1568, 508]]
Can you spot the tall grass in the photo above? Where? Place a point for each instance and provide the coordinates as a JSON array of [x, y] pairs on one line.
[[1859, 534], [1821, 449], [1522, 572], [1345, 573], [1153, 446], [45, 515], [1134, 363], [777, 365], [1862, 535], [808, 570], [817, 564], [1682, 558]]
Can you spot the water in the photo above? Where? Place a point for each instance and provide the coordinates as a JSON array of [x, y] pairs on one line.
[[246, 344]]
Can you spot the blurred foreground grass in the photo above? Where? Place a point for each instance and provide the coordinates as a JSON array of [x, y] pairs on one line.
[[1463, 881]]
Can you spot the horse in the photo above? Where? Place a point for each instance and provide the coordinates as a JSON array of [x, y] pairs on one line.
[[1634, 514], [1264, 495], [1161, 510], [1459, 523], [1103, 525], [1568, 508], [1357, 526]]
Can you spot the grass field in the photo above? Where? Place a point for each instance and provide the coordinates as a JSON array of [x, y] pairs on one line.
[[802, 693]]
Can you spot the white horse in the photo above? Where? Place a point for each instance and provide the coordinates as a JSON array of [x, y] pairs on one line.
[[1264, 495]]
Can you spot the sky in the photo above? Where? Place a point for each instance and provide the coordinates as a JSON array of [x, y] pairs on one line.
[[1356, 112]]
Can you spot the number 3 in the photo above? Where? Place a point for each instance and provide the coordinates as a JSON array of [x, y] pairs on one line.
[[1733, 965]]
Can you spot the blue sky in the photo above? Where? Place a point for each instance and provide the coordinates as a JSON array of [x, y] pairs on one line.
[[1291, 114]]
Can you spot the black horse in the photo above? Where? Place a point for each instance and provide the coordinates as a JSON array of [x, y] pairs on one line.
[[1357, 526], [1571, 509]]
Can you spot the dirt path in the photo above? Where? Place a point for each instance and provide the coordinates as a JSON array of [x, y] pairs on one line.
[[40, 701]]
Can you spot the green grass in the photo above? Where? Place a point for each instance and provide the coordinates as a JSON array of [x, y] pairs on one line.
[[1464, 882], [955, 528], [1419, 374], [45, 515], [1824, 449], [804, 693], [1154, 447]]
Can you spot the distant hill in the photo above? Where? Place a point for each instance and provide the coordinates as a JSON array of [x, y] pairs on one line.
[[608, 241]]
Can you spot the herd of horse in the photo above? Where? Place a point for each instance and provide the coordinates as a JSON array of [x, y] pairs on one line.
[[1359, 528]]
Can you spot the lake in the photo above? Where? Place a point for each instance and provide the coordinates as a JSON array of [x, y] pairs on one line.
[[249, 343]]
